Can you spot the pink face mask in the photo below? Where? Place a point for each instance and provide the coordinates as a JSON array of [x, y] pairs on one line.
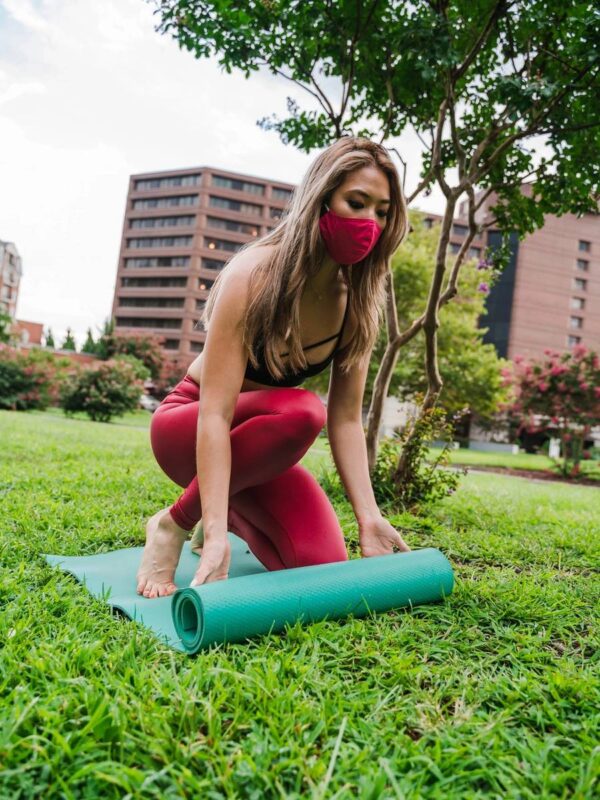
[[348, 240]]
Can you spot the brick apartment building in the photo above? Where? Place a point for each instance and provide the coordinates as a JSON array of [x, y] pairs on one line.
[[180, 228], [548, 295]]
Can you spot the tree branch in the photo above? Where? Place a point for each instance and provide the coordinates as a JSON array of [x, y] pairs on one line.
[[501, 6]]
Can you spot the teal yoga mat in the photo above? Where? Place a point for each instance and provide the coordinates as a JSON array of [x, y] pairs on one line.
[[254, 601]]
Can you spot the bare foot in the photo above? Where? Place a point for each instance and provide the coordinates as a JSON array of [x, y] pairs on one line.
[[164, 540], [197, 540]]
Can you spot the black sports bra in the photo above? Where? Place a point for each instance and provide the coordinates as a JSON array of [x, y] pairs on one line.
[[262, 375]]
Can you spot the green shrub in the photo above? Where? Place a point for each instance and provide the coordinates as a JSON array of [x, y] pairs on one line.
[[104, 391], [14, 384], [423, 482], [30, 380], [145, 347]]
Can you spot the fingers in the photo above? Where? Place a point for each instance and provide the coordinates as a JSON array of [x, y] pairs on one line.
[[210, 578]]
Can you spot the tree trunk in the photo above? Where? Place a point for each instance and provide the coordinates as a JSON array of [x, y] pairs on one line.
[[430, 326]]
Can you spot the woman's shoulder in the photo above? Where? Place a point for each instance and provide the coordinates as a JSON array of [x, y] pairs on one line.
[[235, 278], [243, 264]]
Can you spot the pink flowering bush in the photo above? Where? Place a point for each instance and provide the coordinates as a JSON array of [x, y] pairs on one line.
[[104, 391], [30, 380], [559, 394]]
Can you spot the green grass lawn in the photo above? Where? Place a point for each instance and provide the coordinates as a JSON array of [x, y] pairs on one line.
[[475, 458], [494, 693]]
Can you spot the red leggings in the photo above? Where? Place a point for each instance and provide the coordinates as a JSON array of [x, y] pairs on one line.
[[275, 504]]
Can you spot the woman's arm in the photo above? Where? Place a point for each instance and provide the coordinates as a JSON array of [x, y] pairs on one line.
[[349, 450], [347, 438], [222, 375]]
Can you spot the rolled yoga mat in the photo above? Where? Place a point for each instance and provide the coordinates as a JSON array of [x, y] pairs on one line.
[[254, 601]]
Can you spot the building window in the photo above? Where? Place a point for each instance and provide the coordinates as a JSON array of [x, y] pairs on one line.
[[580, 284], [275, 213], [583, 265], [235, 205], [222, 244], [428, 222], [454, 247], [200, 305], [164, 183], [281, 194], [573, 340], [576, 322], [148, 322], [204, 284], [163, 222], [166, 202], [212, 263], [474, 252], [171, 344], [230, 225], [196, 347], [237, 185], [161, 241], [151, 302], [578, 303], [149, 283], [459, 230], [584, 246], [163, 261]]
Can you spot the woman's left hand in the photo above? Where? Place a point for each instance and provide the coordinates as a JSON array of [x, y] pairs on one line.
[[377, 537]]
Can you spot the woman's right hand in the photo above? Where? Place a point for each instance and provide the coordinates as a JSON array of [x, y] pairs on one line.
[[214, 562]]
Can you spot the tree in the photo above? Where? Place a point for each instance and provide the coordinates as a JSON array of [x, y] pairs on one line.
[[5, 325], [145, 347], [50, 339], [69, 341], [471, 369], [498, 92], [558, 394], [89, 346], [104, 346]]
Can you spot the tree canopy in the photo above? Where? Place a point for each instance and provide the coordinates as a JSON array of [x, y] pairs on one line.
[[498, 92], [483, 83]]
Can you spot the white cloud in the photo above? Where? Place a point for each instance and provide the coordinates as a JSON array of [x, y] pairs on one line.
[[24, 12], [14, 90], [90, 94]]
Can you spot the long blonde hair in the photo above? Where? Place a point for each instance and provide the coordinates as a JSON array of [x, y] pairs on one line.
[[298, 250]]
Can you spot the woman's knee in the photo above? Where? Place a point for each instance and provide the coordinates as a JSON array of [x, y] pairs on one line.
[[307, 412], [327, 554]]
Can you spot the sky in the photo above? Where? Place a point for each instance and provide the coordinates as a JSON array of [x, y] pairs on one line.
[[90, 93]]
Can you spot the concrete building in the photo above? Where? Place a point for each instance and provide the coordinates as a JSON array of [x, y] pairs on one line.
[[10, 277], [548, 295], [180, 227]]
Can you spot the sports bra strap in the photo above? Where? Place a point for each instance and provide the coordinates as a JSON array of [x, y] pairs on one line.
[[335, 335]]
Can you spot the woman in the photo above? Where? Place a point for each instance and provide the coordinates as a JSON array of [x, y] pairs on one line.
[[233, 430]]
